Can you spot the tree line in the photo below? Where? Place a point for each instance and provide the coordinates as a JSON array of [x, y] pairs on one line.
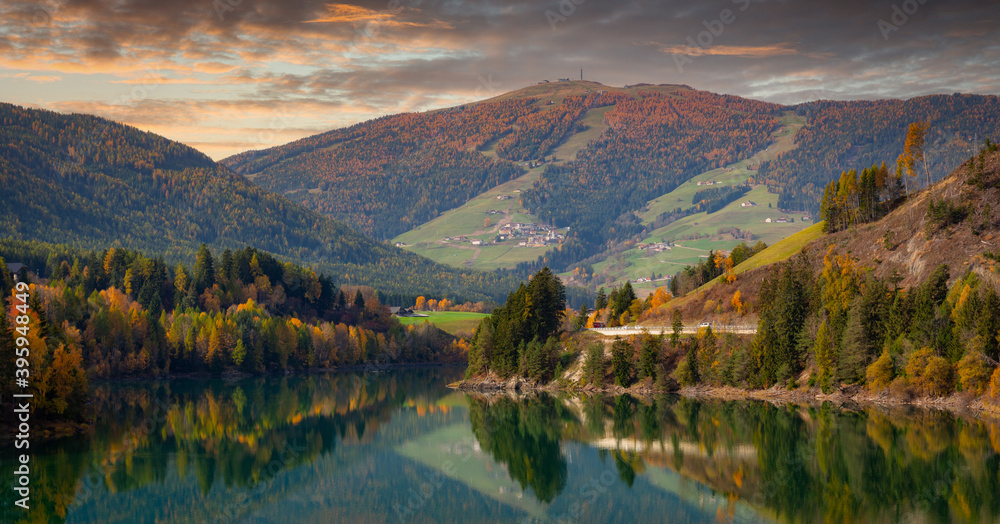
[[118, 313]]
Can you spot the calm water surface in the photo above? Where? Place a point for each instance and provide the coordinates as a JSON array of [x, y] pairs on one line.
[[400, 447]]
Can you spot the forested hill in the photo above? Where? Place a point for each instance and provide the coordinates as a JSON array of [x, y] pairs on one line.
[[844, 135], [92, 183], [392, 174]]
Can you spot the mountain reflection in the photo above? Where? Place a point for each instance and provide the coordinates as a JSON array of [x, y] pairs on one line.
[[402, 447], [237, 434]]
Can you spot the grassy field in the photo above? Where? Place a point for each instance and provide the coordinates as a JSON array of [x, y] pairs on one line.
[[781, 250], [784, 140], [454, 322], [634, 263], [469, 219], [594, 120]]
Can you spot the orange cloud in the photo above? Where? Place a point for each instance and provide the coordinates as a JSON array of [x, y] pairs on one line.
[[728, 50]]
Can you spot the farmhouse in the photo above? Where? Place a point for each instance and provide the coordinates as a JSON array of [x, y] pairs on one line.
[[748, 203]]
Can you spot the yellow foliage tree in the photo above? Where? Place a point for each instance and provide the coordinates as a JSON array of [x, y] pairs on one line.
[[660, 297], [913, 150], [421, 304], [737, 303]]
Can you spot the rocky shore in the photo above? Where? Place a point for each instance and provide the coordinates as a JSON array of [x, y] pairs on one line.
[[848, 397]]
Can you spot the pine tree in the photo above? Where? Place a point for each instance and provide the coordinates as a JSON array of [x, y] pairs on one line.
[[595, 366], [678, 327], [581, 317], [602, 300], [204, 270], [988, 324], [621, 362], [359, 300], [649, 356]]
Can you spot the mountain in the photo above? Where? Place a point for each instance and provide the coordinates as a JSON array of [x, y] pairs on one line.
[[597, 160], [92, 183]]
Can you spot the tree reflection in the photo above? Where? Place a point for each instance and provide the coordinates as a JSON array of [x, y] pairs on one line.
[[524, 435], [797, 464]]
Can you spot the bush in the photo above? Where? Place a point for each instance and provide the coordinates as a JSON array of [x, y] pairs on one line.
[[974, 373], [944, 213], [900, 387], [880, 373]]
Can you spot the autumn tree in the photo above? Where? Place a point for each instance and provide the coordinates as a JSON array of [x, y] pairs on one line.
[[913, 151], [737, 303]]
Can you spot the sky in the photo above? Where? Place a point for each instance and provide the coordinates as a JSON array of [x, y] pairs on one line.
[[226, 76]]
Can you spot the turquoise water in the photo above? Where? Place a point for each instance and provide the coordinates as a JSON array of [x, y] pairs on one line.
[[402, 447]]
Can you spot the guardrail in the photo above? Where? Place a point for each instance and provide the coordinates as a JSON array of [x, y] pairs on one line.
[[737, 329]]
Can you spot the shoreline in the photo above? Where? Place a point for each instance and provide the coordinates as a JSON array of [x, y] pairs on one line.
[[849, 397]]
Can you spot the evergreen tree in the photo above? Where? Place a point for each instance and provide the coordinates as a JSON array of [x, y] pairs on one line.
[[784, 303], [359, 300], [678, 327], [581, 317], [621, 362], [226, 264], [594, 366], [204, 270], [988, 324], [602, 300], [649, 356]]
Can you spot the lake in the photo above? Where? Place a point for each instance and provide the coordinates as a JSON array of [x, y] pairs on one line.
[[401, 447]]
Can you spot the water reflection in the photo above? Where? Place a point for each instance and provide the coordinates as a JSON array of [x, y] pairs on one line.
[[401, 447], [235, 436], [792, 464]]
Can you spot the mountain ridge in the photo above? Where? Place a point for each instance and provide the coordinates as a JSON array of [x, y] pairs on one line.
[[88, 182], [525, 128]]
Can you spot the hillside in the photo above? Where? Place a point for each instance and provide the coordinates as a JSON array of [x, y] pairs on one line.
[[392, 174], [605, 162], [92, 183], [842, 135], [905, 247]]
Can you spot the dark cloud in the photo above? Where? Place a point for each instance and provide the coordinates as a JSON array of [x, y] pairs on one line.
[[364, 59]]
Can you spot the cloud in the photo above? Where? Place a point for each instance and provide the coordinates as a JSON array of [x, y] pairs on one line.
[[199, 68], [728, 50]]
